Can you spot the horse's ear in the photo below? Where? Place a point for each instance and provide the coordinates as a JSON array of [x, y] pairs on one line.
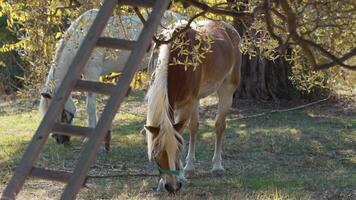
[[179, 126], [45, 93], [153, 130]]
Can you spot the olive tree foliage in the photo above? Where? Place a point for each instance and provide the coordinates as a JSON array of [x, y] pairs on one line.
[[320, 33], [37, 24], [317, 37], [323, 29]]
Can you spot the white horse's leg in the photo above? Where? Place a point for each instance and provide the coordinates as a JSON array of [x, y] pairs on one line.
[[91, 109], [160, 187], [70, 107], [92, 73], [193, 128], [225, 93], [91, 101], [181, 178]]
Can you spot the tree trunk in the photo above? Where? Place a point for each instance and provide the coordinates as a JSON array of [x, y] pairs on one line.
[[263, 79]]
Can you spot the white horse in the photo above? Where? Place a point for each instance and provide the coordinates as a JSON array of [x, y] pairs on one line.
[[102, 61]]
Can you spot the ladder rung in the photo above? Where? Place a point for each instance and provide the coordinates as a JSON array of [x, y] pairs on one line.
[[70, 130], [140, 3], [96, 87], [52, 175], [115, 43]]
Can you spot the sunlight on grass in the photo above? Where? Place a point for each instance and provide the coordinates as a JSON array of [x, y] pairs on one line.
[[19, 123], [128, 117]]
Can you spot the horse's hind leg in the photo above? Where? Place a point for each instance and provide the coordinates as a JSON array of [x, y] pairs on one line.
[[225, 93], [193, 128]]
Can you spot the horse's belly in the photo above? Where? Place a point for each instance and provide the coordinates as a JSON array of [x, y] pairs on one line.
[[208, 88], [115, 63], [211, 82]]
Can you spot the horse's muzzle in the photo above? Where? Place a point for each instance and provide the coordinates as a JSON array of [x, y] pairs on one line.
[[171, 189]]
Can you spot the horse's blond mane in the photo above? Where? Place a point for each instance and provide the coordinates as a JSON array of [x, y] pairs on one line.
[[158, 110]]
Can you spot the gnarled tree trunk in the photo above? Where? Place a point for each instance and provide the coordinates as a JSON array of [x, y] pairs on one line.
[[263, 79]]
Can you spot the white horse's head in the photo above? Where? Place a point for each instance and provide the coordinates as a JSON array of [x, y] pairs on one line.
[[66, 48]]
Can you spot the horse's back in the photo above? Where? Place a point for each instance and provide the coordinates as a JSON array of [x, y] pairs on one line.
[[219, 64]]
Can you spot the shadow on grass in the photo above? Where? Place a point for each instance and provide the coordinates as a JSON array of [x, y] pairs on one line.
[[295, 152]]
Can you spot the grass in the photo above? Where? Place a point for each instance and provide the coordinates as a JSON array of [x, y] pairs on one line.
[[303, 154]]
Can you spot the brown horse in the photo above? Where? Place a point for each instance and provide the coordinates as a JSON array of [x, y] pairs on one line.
[[173, 97]]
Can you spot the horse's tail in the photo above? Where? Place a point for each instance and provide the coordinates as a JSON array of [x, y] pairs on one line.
[[159, 108], [236, 43], [56, 65]]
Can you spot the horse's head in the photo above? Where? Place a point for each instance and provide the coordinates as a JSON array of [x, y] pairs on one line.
[[66, 116], [166, 151]]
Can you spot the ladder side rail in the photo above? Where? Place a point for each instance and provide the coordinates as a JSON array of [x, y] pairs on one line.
[[33, 150], [88, 154]]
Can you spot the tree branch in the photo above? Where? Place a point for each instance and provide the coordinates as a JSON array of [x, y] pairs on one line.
[[221, 11], [175, 35], [342, 59], [72, 4], [289, 17]]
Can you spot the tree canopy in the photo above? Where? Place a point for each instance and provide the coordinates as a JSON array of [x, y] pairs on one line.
[[320, 33]]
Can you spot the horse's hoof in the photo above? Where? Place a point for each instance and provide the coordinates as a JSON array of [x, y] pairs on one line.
[[218, 171], [62, 139], [160, 187], [107, 148], [182, 179]]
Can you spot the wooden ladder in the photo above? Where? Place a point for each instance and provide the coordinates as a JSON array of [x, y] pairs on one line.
[[72, 82]]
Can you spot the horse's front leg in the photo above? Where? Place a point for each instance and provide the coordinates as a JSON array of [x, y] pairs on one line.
[[91, 109], [193, 129], [92, 73]]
